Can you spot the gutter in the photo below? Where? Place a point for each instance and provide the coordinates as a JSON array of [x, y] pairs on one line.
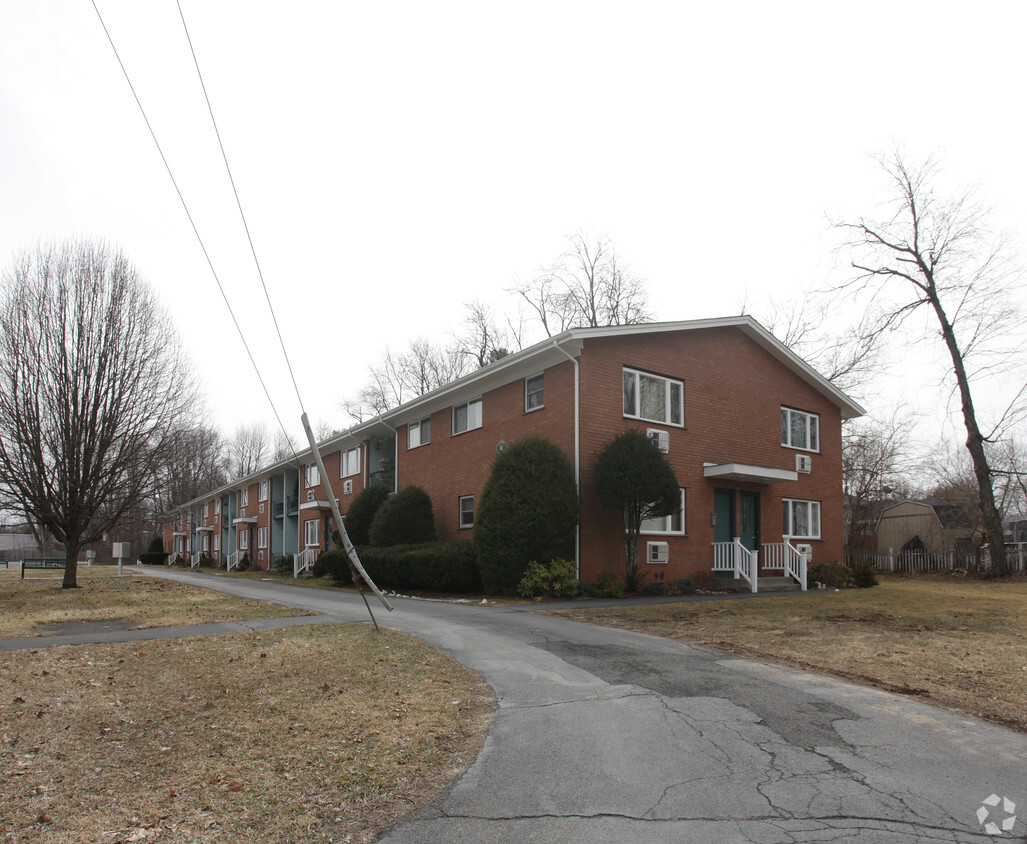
[[577, 452]]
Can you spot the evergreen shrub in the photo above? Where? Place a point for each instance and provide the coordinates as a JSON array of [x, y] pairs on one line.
[[362, 512], [608, 586], [429, 567], [404, 519], [555, 579]]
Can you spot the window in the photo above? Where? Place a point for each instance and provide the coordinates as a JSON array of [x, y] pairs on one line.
[[800, 430], [217, 541], [467, 417], [311, 477], [244, 540], [674, 523], [217, 507], [349, 462], [206, 509], [262, 494], [419, 433], [262, 537], [310, 533], [466, 511], [801, 519], [205, 542], [653, 398], [534, 392], [244, 497]]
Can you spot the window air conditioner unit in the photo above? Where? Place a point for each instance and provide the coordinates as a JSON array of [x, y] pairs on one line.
[[806, 550], [657, 552], [310, 495], [661, 438], [803, 463], [347, 487]]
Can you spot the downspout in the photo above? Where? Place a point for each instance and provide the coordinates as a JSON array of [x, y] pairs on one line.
[[577, 453]]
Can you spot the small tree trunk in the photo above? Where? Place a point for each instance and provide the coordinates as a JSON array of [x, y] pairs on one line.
[[70, 566]]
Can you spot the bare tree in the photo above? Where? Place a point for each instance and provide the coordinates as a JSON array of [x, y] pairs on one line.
[[195, 465], [586, 286], [484, 340], [248, 449], [937, 253], [92, 379]]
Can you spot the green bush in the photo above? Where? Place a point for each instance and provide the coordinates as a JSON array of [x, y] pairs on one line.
[[362, 511], [832, 574], [429, 567], [283, 565], [244, 563], [334, 564], [608, 586], [555, 579], [404, 519], [863, 576], [205, 561], [154, 554], [528, 511]]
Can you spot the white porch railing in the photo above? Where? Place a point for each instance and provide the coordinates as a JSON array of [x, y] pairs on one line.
[[740, 561], [194, 561], [303, 561], [787, 558], [232, 561]]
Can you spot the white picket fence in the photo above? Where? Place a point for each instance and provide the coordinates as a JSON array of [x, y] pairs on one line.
[[923, 561]]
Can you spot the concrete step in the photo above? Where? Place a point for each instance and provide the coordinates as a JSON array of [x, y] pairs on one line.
[[766, 584]]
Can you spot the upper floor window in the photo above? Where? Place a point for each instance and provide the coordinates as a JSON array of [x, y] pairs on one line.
[[217, 506], [349, 462], [534, 392], [800, 430], [674, 523], [801, 519], [311, 476], [206, 509], [263, 490], [653, 398], [419, 433], [467, 416], [244, 497]]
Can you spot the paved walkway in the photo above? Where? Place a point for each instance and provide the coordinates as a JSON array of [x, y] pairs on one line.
[[605, 735]]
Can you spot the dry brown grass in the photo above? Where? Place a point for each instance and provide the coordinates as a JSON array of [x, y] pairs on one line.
[[961, 645], [313, 733], [143, 601]]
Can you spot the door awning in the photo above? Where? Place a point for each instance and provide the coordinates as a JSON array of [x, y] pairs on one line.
[[745, 472], [245, 520]]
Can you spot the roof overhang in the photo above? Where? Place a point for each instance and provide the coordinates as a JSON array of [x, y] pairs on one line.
[[750, 474]]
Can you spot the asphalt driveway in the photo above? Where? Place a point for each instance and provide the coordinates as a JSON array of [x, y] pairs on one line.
[[606, 735]]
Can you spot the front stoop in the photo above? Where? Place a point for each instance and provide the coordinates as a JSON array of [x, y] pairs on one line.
[[766, 584]]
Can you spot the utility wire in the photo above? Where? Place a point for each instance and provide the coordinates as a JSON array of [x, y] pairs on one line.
[[192, 222]]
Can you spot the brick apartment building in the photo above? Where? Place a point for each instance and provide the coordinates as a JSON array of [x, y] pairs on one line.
[[752, 433]]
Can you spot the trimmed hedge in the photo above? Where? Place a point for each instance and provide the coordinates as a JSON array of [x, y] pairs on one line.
[[431, 567], [405, 518], [154, 554], [362, 511]]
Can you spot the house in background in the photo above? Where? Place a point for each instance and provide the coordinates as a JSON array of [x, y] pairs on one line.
[[752, 432], [929, 526]]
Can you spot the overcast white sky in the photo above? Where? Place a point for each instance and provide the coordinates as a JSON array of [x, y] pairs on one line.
[[397, 160]]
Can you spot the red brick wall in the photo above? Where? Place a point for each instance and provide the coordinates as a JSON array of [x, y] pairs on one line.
[[734, 390]]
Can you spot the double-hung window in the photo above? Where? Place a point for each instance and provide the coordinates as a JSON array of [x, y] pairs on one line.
[[244, 497], [419, 433], [654, 398], [206, 509], [244, 539], [467, 416], [349, 462], [217, 506], [801, 519], [674, 523], [217, 542], [800, 430], [466, 511], [534, 392], [311, 476], [262, 537], [262, 494], [311, 537], [205, 543]]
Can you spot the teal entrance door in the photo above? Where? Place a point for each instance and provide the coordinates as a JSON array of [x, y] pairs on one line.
[[723, 515], [749, 519]]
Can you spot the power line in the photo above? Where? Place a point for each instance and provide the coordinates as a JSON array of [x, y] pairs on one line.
[[196, 232]]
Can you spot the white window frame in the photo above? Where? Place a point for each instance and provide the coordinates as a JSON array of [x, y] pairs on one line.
[[205, 542], [217, 542], [263, 490], [531, 394], [262, 537], [462, 512], [635, 411], [217, 506], [789, 520], [312, 536], [419, 433], [472, 416], [311, 476], [666, 524], [811, 429], [244, 497], [206, 509], [349, 462], [244, 539]]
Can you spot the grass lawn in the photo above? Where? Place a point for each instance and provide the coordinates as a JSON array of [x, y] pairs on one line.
[[958, 644], [313, 733]]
